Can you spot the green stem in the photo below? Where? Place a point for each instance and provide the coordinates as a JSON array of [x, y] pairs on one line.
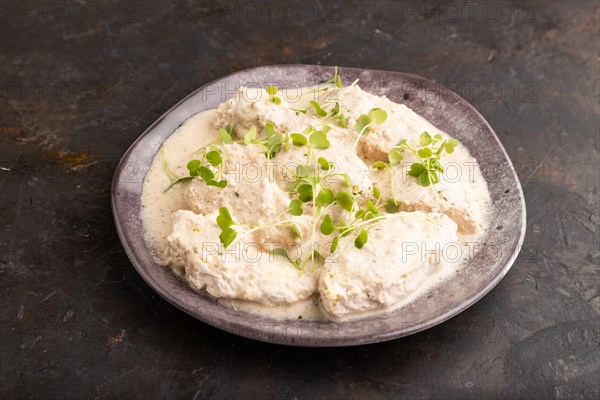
[[359, 135]]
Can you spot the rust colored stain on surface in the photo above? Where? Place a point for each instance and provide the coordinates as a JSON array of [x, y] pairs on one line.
[[66, 159]]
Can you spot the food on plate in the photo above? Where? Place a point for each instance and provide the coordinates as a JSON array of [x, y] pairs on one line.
[[329, 203]]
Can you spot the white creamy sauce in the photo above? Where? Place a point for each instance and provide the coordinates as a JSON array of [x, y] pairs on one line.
[[408, 253]]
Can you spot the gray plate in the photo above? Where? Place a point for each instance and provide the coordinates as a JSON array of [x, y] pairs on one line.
[[443, 108]]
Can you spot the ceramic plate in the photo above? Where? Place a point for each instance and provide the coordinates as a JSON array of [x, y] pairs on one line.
[[443, 108]]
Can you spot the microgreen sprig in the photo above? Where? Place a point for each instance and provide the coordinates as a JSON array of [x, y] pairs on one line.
[[229, 235], [272, 91], [365, 121], [297, 262], [427, 171], [334, 82], [225, 222], [320, 111], [273, 142], [336, 114], [196, 168]]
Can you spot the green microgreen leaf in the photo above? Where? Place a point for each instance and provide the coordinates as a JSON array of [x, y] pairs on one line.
[[305, 193], [299, 111], [271, 90], [250, 136], [424, 179], [327, 226], [343, 121], [269, 130], [361, 239], [295, 207], [292, 186], [345, 200], [362, 122], [224, 219], [394, 156], [227, 236], [225, 136], [214, 157], [319, 140], [193, 165], [296, 230], [298, 139], [417, 169], [425, 152], [347, 179], [326, 165], [371, 207], [392, 206], [450, 145], [425, 139], [302, 171], [220, 184], [278, 251], [204, 173], [317, 256], [376, 193], [274, 145], [325, 197], [334, 243], [379, 165], [336, 109], [320, 112], [378, 115]]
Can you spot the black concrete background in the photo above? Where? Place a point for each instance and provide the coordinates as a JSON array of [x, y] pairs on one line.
[[80, 81]]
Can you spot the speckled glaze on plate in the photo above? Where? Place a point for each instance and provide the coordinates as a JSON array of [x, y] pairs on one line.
[[443, 108]]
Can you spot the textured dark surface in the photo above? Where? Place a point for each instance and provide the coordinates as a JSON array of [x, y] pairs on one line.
[[81, 82]]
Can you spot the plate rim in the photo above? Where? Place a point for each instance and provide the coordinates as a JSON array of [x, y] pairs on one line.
[[273, 337]]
